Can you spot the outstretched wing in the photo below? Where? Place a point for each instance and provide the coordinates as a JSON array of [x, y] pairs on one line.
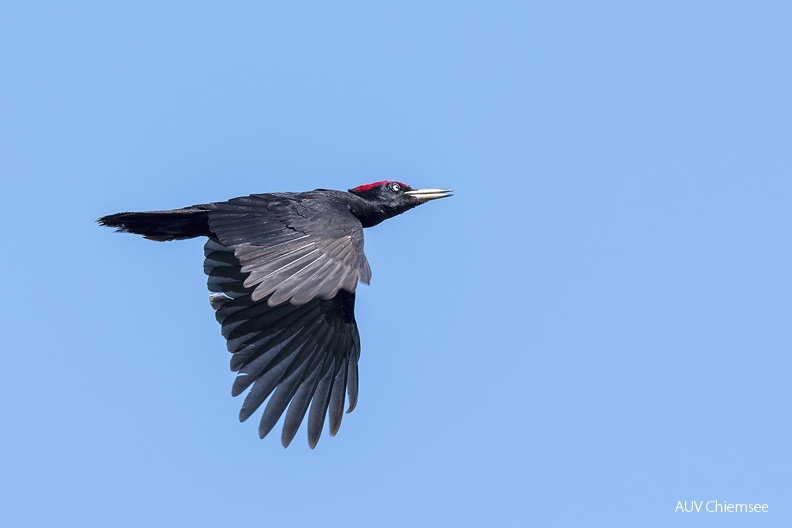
[[295, 354], [293, 247]]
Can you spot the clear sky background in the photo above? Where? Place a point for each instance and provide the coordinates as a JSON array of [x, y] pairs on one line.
[[596, 325]]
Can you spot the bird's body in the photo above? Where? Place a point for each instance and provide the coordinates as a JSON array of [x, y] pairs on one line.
[[283, 269]]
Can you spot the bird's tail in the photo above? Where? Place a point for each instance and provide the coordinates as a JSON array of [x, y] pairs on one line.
[[177, 224]]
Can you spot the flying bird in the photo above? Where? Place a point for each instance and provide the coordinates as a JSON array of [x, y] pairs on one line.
[[283, 269]]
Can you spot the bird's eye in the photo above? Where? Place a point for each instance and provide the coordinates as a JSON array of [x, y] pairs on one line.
[[395, 186]]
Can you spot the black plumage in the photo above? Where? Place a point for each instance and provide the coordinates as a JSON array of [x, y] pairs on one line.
[[283, 269]]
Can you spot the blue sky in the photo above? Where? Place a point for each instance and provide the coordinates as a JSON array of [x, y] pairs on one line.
[[596, 325]]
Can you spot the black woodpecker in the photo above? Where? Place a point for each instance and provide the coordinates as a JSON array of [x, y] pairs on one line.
[[283, 268]]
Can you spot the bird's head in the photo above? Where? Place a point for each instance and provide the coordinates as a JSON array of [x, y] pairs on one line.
[[392, 198]]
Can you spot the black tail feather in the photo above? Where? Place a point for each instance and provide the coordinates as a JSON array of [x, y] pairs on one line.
[[177, 224]]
